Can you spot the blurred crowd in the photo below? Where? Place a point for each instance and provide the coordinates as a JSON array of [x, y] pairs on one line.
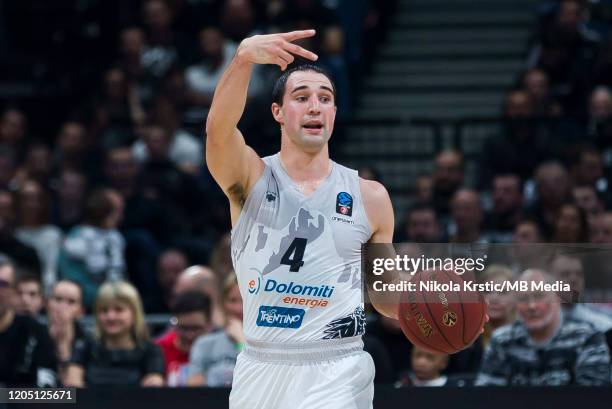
[[107, 209]]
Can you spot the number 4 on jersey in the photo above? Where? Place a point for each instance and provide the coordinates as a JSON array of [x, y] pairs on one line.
[[294, 254]]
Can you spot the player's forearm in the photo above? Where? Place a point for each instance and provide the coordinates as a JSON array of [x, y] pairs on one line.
[[229, 99]]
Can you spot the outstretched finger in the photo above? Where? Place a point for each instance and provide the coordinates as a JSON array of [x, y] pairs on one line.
[[297, 50], [296, 35], [286, 56]]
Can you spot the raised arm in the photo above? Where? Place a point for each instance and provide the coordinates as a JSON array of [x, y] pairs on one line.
[[234, 165]]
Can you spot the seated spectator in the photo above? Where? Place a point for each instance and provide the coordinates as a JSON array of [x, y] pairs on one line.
[[448, 176], [213, 356], [34, 229], [570, 269], [36, 164], [205, 280], [427, 368], [519, 148], [94, 251], [26, 351], [191, 319], [553, 189], [424, 189], [588, 201], [64, 309], [501, 306], [216, 52], [8, 168], [72, 150], [31, 298], [507, 210], [420, 226], [184, 150], [467, 216], [170, 265], [24, 256], [121, 352], [600, 119], [600, 231], [13, 130], [571, 225], [535, 82], [69, 200], [545, 348]]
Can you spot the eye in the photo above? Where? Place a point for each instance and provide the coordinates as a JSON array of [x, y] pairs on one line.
[[325, 99], [301, 98]]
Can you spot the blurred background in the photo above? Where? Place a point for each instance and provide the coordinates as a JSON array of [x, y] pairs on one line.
[[489, 121]]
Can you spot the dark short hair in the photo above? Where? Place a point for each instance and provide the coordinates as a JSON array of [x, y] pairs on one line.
[[29, 278], [192, 301], [98, 207], [279, 87], [421, 207]]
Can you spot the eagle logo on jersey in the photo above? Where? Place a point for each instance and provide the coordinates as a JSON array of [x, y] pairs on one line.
[[344, 204], [349, 326]]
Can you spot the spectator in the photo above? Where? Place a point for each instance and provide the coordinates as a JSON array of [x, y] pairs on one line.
[[448, 176], [424, 189], [8, 168], [427, 368], [13, 128], [205, 280], [507, 195], [221, 257], [72, 150], [23, 255], [26, 351], [121, 352], [170, 265], [131, 50], [553, 188], [535, 82], [520, 147], [31, 298], [332, 59], [601, 229], [389, 332], [555, 351], [501, 306], [570, 269], [94, 251], [238, 19], [64, 309], [69, 200], [571, 225], [216, 52], [600, 118], [213, 356], [184, 149], [369, 173], [36, 165], [467, 217], [191, 319], [420, 226], [35, 230], [588, 168], [587, 199]]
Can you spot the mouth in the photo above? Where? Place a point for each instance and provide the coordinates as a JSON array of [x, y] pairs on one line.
[[313, 125]]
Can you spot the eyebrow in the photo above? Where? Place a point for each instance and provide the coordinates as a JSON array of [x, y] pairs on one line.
[[306, 87]]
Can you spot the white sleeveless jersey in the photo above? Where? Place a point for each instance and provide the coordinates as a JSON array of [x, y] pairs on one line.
[[298, 258]]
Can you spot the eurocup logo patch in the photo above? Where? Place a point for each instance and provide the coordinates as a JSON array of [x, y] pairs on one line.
[[344, 204], [254, 285]]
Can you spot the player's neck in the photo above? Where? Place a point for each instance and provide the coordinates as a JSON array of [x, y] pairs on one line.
[[305, 166]]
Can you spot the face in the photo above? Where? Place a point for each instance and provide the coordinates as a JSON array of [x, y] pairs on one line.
[[591, 167], [12, 127], [448, 174], [518, 105], [424, 188], [569, 269], [157, 142], [31, 202], [233, 303], [308, 112], [132, 41], [423, 226], [66, 298], [506, 194], [30, 298], [587, 200], [72, 138], [38, 160], [190, 326], [7, 291], [601, 104], [569, 225], [170, 267], [601, 229], [569, 16], [536, 83], [537, 310], [115, 319], [157, 15], [120, 167], [427, 365], [553, 185], [211, 42], [466, 210], [500, 305]]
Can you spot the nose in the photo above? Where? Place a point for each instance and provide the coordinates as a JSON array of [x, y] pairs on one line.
[[313, 105]]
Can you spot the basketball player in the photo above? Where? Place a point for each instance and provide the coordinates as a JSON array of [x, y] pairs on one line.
[[299, 220]]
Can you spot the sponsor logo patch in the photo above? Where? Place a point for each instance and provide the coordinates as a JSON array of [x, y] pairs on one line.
[[344, 204], [279, 317]]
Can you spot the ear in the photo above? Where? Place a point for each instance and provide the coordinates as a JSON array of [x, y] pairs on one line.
[[277, 113]]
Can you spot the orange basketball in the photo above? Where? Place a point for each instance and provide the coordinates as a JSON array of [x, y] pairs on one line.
[[441, 315]]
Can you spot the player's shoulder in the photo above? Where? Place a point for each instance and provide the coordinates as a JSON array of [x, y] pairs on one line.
[[373, 191]]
